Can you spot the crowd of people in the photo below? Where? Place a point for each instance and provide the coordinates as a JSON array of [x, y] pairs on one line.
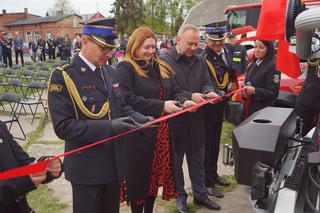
[[90, 101], [39, 50]]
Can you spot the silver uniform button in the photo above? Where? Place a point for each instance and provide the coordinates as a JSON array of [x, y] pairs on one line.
[[84, 98]]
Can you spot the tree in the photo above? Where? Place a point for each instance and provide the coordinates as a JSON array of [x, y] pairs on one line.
[[61, 7], [129, 14]]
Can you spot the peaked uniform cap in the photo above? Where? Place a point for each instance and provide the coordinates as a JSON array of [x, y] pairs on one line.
[[216, 31], [102, 31]]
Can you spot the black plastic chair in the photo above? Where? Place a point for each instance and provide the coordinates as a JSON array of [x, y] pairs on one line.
[[33, 97], [13, 101]]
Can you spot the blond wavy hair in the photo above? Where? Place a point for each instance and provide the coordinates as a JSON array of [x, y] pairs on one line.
[[135, 41]]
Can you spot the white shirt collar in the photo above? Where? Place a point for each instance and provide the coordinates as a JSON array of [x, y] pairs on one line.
[[258, 62], [92, 67], [221, 52]]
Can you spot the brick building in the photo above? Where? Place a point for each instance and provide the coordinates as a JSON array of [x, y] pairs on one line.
[[32, 27]]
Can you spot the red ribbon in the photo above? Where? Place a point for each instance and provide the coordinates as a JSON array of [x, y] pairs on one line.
[[41, 166]]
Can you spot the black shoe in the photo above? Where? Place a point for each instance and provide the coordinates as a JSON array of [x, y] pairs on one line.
[[207, 203], [182, 207], [213, 191], [221, 182]]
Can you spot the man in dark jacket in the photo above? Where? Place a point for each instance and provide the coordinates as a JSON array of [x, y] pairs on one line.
[[219, 65], [51, 43], [18, 47], [238, 53], [308, 101], [6, 44], [86, 106], [42, 46], [13, 191], [188, 130]]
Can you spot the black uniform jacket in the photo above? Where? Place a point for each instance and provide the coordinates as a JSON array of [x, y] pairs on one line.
[[266, 80], [12, 191], [310, 92], [239, 57], [187, 130], [96, 165], [221, 67], [143, 94]]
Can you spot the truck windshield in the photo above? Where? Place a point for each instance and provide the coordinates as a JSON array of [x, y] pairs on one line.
[[237, 19]]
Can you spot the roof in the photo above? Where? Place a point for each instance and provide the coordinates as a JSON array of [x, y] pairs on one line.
[[97, 15], [209, 11], [39, 20]]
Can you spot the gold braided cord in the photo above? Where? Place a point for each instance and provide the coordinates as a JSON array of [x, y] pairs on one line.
[[76, 97], [315, 63], [213, 71]]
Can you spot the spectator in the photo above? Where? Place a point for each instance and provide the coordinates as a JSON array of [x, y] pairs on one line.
[[41, 49], [51, 43], [77, 45], [18, 47], [238, 53], [66, 48], [123, 43], [6, 44]]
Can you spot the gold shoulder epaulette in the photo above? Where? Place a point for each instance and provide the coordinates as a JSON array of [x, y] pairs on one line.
[[61, 68]]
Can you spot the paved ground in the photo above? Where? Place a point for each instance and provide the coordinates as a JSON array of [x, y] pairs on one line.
[[235, 201]]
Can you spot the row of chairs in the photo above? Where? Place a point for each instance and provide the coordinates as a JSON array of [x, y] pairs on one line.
[[21, 100]]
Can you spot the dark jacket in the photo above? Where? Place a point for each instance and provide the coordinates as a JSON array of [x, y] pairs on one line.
[[143, 95], [13, 191], [6, 46], [220, 66], [96, 165], [239, 57], [187, 130], [310, 92], [266, 80]]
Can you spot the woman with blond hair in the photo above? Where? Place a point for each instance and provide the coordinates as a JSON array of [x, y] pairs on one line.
[[149, 86]]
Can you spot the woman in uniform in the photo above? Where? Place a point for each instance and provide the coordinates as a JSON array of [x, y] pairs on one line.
[[262, 79]]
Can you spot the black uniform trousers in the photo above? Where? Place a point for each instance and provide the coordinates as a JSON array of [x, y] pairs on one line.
[[19, 52], [7, 58], [51, 53], [213, 120], [96, 198]]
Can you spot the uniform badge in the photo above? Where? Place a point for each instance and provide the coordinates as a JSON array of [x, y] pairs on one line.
[[55, 88], [84, 98], [83, 69], [276, 79], [116, 85]]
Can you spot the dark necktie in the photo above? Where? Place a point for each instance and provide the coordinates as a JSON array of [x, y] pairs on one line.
[[101, 76]]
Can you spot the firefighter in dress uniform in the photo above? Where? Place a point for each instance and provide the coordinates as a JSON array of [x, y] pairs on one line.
[[86, 106], [238, 53], [219, 65]]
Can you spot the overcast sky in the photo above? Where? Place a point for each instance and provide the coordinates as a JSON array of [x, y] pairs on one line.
[[40, 7]]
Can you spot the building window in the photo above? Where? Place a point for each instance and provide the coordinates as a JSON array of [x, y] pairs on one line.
[[29, 36], [48, 35], [36, 36]]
